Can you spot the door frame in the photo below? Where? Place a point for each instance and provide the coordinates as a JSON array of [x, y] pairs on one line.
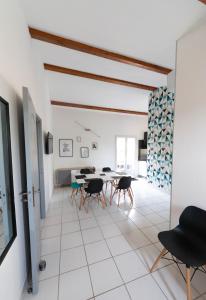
[[12, 202], [41, 166]]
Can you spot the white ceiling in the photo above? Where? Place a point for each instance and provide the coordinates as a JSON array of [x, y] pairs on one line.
[[144, 29]]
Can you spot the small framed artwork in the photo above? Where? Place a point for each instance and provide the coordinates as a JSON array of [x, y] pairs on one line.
[[94, 145], [84, 152], [65, 147]]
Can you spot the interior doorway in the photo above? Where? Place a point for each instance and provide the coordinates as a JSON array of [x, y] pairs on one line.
[[125, 154]]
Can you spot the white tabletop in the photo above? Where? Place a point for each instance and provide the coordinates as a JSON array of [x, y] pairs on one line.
[[109, 176]]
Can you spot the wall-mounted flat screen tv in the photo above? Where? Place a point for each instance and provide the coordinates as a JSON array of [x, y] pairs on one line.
[[49, 143]]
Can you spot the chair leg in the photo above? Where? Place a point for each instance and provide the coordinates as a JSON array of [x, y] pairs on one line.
[[188, 282], [158, 259], [119, 197], [103, 200], [81, 200], [130, 195]]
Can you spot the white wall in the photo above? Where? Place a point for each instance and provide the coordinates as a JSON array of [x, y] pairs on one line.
[[189, 165], [19, 67], [171, 77], [107, 125]]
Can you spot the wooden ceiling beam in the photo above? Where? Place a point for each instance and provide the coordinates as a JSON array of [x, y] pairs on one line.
[[83, 74], [99, 108], [71, 44]]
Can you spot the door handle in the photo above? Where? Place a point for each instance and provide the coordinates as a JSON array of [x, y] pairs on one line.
[[24, 196]]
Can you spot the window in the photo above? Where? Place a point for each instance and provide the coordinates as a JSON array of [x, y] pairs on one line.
[[7, 211]]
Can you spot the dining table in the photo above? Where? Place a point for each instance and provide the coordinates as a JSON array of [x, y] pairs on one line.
[[107, 177]]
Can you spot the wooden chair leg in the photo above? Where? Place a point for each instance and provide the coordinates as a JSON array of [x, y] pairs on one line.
[[188, 282], [130, 195], [72, 194], [158, 259], [103, 200], [81, 200], [119, 197], [131, 192]]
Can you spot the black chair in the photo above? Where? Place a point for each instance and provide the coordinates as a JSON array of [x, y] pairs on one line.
[[186, 243], [124, 185], [86, 171], [94, 188], [106, 169]]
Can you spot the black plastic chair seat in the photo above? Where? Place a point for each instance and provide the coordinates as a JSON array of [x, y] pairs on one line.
[[94, 186], [189, 249]]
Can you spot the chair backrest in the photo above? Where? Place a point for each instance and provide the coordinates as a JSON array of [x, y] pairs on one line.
[[86, 171], [124, 183], [95, 186], [193, 219], [106, 169]]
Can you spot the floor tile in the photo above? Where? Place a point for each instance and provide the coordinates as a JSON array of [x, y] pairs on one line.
[[105, 276], [49, 246], [118, 245], [52, 220], [118, 216], [88, 223], [85, 215], [110, 230], [130, 266], [136, 239], [72, 259], [69, 217], [71, 240], [163, 226], [75, 285], [145, 288], [151, 233], [70, 227], [149, 254], [141, 221], [50, 231], [116, 294], [104, 220], [52, 212], [203, 297], [92, 235], [97, 251], [48, 289], [155, 218], [171, 282], [52, 266], [126, 226]]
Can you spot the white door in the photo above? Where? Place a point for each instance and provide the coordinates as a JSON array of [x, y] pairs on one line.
[[33, 195], [126, 154]]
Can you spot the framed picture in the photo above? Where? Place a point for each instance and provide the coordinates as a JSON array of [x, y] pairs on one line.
[[84, 152], [65, 147], [94, 145]]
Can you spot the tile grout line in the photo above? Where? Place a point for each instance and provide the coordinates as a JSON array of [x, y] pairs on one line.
[[86, 256], [60, 254], [115, 264]]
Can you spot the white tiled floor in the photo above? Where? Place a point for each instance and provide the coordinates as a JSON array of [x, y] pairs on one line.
[[105, 254]]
